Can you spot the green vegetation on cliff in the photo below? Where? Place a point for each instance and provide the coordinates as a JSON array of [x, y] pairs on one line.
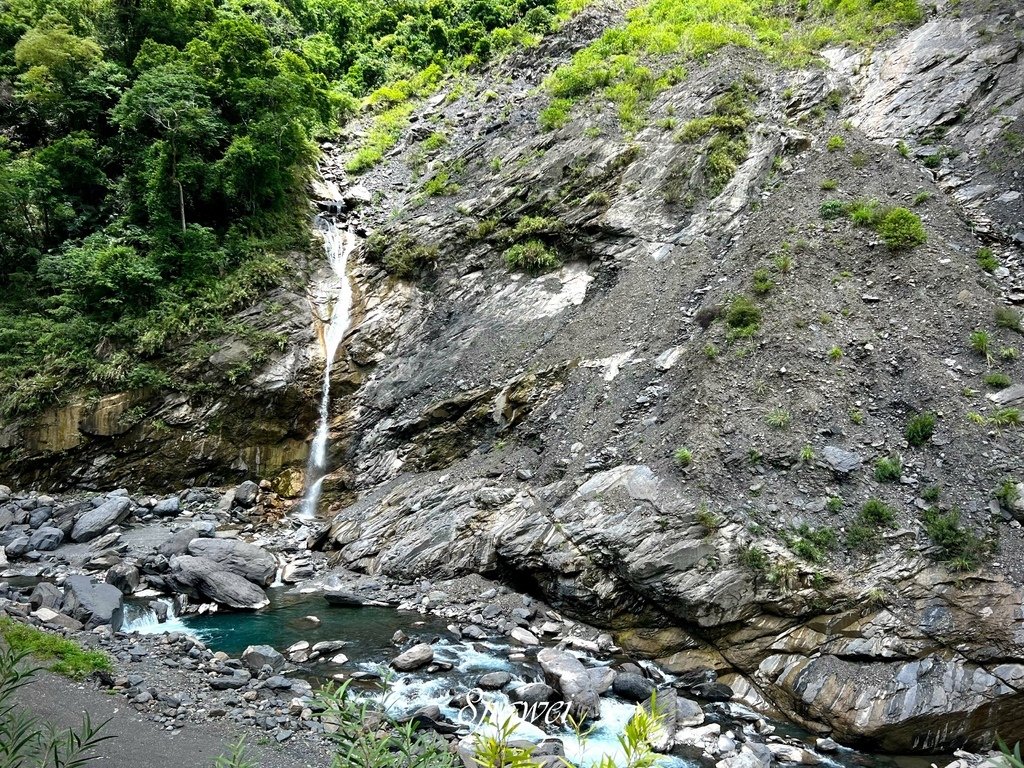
[[154, 156]]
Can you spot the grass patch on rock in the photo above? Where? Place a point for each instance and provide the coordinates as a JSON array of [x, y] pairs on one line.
[[65, 657]]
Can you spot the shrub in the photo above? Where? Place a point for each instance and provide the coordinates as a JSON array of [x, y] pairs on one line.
[[835, 353], [1007, 493], [987, 260], [877, 513], [835, 143], [832, 209], [762, 281], [888, 470], [754, 558], [743, 317], [1008, 318], [434, 141], [683, 457], [957, 545], [406, 258], [806, 454], [706, 518], [784, 262], [997, 380], [920, 429], [981, 343], [813, 544], [532, 256], [865, 213], [533, 225], [931, 494], [901, 229], [834, 504]]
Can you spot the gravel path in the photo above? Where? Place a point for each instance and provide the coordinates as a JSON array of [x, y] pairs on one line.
[[140, 742]]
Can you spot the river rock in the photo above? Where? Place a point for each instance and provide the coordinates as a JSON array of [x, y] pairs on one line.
[[177, 543], [168, 507], [750, 755], [125, 577], [92, 602], [255, 657], [250, 562], [532, 693], [572, 680], [205, 578], [111, 512], [841, 461], [236, 678], [494, 681], [46, 539], [523, 636], [787, 753], [603, 678], [18, 546], [418, 656], [45, 595], [343, 599], [246, 494], [39, 516], [688, 713], [631, 687]]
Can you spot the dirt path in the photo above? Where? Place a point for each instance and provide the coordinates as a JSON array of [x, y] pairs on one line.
[[140, 742]]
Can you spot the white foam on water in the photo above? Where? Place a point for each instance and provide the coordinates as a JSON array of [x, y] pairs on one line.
[[144, 621]]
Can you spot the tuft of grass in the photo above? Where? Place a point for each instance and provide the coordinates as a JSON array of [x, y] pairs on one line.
[[683, 457], [532, 256], [921, 198], [987, 260], [67, 657], [434, 141], [835, 353], [784, 262], [1005, 417], [829, 185], [807, 454], [707, 519], [778, 418], [957, 545], [835, 143], [813, 544], [834, 504], [1007, 317], [877, 513], [743, 318], [931, 494], [754, 557], [888, 469], [920, 429], [981, 342], [832, 209], [763, 282], [1006, 493], [856, 416], [997, 380]]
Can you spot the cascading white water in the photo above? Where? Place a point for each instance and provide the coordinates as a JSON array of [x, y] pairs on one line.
[[338, 245]]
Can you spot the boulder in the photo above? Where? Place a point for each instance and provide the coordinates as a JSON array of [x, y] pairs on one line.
[[418, 656], [631, 687], [688, 713], [603, 678], [493, 681], [343, 599], [532, 693], [524, 636], [125, 577], [573, 680], [250, 562], [169, 507], [94, 522], [93, 603], [54, 618], [18, 546], [39, 516], [246, 494], [46, 539], [203, 578], [839, 460], [45, 595], [177, 543], [357, 195], [255, 657]]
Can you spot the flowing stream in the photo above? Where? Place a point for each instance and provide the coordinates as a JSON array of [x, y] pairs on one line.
[[339, 243]]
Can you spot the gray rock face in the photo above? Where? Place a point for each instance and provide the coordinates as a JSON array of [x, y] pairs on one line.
[[46, 539], [841, 461], [246, 494], [177, 543], [572, 679], [247, 560], [18, 546], [93, 603], [93, 523], [205, 579], [418, 656], [255, 657]]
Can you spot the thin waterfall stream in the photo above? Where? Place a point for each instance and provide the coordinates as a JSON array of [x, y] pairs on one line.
[[339, 242]]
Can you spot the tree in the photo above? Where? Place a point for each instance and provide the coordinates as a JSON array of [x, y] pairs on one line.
[[169, 103]]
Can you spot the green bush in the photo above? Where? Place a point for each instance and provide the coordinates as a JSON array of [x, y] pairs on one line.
[[832, 209], [743, 317], [901, 229], [877, 513], [987, 260], [762, 281], [835, 143], [532, 256], [997, 380], [683, 457], [754, 557], [958, 546], [1006, 317], [407, 258], [812, 544], [888, 470], [920, 429]]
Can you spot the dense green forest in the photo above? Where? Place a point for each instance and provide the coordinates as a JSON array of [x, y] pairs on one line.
[[154, 156]]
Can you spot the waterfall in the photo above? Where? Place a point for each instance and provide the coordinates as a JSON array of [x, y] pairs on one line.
[[338, 244]]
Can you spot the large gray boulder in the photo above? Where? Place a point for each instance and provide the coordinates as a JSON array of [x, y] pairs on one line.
[[250, 562], [18, 546], [125, 577], [205, 579], [46, 539], [418, 656], [568, 674], [255, 657], [168, 507], [94, 522], [177, 543], [46, 595], [246, 494], [93, 603], [632, 687]]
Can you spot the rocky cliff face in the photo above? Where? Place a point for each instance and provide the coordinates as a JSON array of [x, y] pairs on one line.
[[529, 427]]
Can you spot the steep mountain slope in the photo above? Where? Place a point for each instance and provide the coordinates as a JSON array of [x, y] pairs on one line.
[[823, 538], [675, 364]]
